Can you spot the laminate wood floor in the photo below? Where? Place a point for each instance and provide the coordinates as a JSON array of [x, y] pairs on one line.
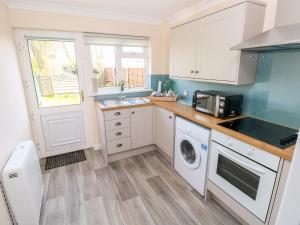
[[141, 190]]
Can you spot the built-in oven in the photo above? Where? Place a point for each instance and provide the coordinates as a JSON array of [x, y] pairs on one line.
[[248, 182]]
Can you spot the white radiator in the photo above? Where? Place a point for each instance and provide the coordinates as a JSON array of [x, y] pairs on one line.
[[23, 184]]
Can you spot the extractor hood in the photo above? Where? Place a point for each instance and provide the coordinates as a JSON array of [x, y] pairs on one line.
[[284, 37]]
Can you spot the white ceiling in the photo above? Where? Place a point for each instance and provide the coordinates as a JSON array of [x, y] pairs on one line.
[[147, 10]]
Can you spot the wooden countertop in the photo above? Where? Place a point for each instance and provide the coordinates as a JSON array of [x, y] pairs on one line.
[[210, 122]]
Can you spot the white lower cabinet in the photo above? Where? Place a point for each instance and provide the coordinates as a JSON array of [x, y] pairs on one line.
[[128, 129], [141, 126], [165, 125], [118, 145]]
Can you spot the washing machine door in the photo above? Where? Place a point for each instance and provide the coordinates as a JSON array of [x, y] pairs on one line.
[[189, 152]]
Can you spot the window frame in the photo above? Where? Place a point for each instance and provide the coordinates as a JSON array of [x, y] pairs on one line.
[[119, 54]]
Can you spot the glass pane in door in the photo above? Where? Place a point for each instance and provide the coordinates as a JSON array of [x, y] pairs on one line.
[[55, 74]]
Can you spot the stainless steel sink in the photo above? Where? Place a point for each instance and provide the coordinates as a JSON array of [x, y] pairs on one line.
[[127, 101]]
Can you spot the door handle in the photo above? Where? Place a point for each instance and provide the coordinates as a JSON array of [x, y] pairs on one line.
[[241, 163], [82, 95]]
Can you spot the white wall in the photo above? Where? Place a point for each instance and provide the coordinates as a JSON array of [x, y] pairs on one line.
[[67, 22], [270, 16], [14, 124], [288, 12]]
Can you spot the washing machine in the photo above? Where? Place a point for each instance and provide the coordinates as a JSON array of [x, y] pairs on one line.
[[191, 153]]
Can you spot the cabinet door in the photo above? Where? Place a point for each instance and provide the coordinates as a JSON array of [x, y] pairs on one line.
[[183, 50], [141, 126], [165, 131], [218, 33]]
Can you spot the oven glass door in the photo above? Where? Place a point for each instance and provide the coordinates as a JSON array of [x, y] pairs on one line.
[[240, 177], [246, 181], [206, 103]]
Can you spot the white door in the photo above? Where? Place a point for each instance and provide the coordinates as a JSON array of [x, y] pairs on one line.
[[218, 33], [141, 126], [53, 77], [183, 50], [165, 122]]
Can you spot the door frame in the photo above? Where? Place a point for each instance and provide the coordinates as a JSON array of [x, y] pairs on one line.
[[33, 109]]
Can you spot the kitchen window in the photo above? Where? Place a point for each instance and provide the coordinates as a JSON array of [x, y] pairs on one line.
[[118, 58]]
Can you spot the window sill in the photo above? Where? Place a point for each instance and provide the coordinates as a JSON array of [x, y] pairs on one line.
[[116, 92]]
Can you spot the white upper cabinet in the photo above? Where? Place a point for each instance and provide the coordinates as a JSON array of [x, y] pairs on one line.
[[183, 51], [141, 126], [215, 34]]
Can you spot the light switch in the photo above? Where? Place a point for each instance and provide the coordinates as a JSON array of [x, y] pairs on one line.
[[185, 93]]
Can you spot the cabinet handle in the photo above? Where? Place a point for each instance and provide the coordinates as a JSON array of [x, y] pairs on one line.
[[192, 71], [117, 113], [118, 123], [118, 133], [119, 145], [196, 71], [132, 112], [170, 117]]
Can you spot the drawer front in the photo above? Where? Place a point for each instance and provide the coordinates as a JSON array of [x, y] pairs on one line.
[[119, 145], [265, 158], [117, 134], [116, 114], [117, 124]]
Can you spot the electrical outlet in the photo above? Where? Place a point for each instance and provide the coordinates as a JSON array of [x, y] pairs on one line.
[[185, 93]]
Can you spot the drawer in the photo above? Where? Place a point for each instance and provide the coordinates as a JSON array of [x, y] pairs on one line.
[[117, 134], [117, 124], [119, 145], [258, 155], [116, 114]]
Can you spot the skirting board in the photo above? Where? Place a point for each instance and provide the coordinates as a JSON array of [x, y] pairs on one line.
[[132, 152], [97, 147]]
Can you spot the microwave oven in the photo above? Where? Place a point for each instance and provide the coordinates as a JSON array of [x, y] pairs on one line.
[[218, 104]]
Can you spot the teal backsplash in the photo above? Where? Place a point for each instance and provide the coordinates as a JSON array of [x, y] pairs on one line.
[[274, 97], [158, 77]]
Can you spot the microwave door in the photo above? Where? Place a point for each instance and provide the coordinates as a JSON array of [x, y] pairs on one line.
[[206, 103]]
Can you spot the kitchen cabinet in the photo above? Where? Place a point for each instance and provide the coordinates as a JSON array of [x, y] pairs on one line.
[[183, 52], [200, 50], [165, 125], [141, 126], [117, 130]]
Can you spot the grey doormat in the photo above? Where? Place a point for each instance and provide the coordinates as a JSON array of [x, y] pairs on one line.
[[64, 159]]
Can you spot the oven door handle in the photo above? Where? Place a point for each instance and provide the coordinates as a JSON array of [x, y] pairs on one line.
[[254, 169]]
